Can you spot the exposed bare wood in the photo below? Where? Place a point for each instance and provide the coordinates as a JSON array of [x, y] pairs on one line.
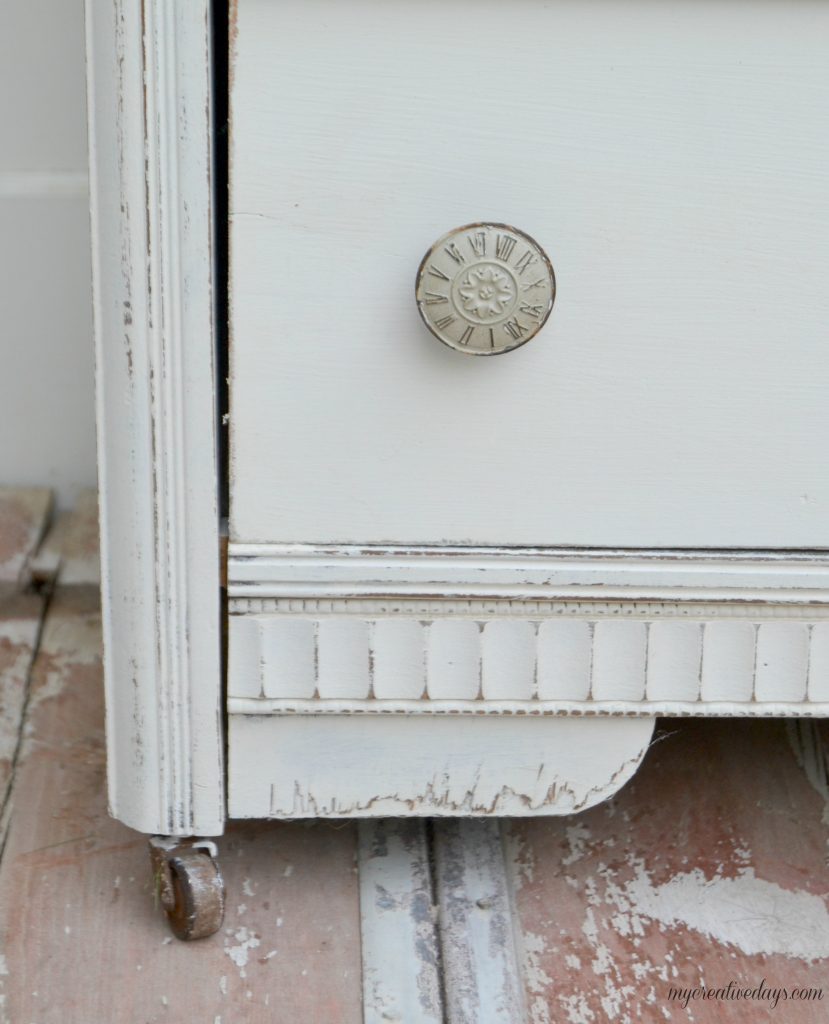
[[343, 766], [70, 551], [75, 887], [709, 865], [20, 620], [24, 516], [709, 868]]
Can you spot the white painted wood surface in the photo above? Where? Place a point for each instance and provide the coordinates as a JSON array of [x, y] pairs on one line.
[[351, 571], [818, 685], [379, 709], [619, 659], [564, 659], [673, 166], [728, 669], [675, 401], [674, 660], [341, 765], [606, 656], [397, 663], [149, 117]]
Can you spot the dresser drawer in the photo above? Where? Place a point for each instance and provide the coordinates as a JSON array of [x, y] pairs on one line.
[[479, 539], [669, 158]]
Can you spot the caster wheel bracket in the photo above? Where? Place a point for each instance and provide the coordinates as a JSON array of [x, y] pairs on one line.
[[188, 884]]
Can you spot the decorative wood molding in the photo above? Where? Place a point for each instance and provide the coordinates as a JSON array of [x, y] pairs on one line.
[[284, 708], [296, 571], [149, 120], [334, 767], [483, 608], [634, 661], [498, 631]]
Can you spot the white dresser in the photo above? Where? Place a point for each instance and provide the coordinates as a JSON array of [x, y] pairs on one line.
[[523, 311]]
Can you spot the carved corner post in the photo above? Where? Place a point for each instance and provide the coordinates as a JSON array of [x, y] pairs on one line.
[[149, 124]]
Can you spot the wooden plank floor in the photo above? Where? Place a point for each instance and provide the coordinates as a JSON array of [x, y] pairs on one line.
[[81, 939], [24, 514], [710, 867]]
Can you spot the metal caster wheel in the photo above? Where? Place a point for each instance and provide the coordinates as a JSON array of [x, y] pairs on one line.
[[189, 885]]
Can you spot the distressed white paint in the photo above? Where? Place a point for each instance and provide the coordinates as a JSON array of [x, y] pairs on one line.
[[527, 709], [564, 658], [343, 662], [262, 571], [399, 662], [508, 659], [453, 659], [305, 766], [782, 661], [149, 117], [754, 915], [619, 659], [288, 660], [481, 974], [677, 631], [728, 661], [465, 657], [245, 657], [674, 660], [818, 685], [401, 971], [673, 166], [672, 441]]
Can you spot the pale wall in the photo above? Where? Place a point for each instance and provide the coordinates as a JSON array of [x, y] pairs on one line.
[[47, 421]]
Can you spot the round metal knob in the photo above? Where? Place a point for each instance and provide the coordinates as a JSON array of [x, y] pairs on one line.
[[484, 289]]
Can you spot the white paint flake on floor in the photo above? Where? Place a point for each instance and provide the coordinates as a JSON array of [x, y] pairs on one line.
[[750, 913], [240, 953]]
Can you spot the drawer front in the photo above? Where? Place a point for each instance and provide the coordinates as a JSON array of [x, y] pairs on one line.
[[671, 160]]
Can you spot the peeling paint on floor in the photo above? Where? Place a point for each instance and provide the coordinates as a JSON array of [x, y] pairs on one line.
[[710, 867], [750, 913], [240, 953]]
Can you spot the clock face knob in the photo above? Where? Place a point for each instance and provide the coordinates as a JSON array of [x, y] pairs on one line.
[[484, 289]]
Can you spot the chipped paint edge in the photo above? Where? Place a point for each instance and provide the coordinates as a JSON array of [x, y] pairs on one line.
[[378, 571], [329, 766], [250, 706], [150, 175]]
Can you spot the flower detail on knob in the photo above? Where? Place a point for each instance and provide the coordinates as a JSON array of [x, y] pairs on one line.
[[486, 292], [485, 288]]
